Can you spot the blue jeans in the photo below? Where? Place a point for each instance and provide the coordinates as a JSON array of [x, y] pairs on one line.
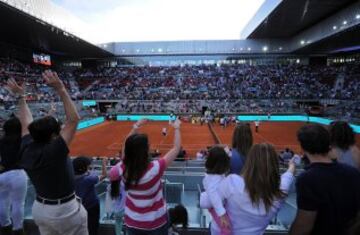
[[159, 231], [13, 187]]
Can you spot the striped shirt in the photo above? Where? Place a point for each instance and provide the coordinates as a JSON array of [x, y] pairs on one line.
[[145, 207]]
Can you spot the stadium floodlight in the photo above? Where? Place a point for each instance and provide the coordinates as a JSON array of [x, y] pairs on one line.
[[302, 42], [334, 27], [265, 48], [357, 16], [344, 22]]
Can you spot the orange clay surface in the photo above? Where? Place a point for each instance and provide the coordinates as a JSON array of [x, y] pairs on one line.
[[107, 139]]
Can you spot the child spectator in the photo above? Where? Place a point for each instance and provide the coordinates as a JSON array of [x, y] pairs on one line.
[[85, 188], [177, 216], [254, 197], [115, 200], [217, 166]]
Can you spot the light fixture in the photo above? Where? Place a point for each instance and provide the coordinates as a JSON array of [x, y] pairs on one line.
[[302, 42], [265, 48], [344, 22], [280, 48], [249, 48], [357, 16], [334, 27], [160, 50]]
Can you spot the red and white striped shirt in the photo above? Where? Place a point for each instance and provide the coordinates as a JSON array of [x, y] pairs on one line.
[[145, 207]]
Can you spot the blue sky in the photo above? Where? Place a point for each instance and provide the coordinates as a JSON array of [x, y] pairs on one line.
[[162, 20]]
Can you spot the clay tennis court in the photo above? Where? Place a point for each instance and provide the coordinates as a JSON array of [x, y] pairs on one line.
[[106, 139]]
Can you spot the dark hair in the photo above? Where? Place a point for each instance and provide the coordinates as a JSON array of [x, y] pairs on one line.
[[115, 189], [12, 130], [178, 215], [314, 139], [41, 130], [217, 162], [242, 138], [136, 158], [341, 135], [80, 165], [262, 175], [12, 136]]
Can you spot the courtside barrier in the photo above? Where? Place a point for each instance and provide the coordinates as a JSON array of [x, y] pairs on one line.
[[138, 117], [90, 122], [273, 118], [292, 118]]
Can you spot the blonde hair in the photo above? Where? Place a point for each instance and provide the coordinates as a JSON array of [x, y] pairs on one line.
[[262, 175]]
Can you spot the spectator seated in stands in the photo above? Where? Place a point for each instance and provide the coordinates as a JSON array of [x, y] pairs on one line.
[[85, 183], [286, 155], [254, 197], [328, 193]]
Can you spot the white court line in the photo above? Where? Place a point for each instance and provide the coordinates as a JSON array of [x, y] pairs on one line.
[[264, 139], [114, 146]]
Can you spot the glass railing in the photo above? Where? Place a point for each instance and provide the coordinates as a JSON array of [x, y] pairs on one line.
[[183, 185]]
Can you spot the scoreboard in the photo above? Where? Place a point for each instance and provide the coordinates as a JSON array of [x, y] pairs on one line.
[[42, 59]]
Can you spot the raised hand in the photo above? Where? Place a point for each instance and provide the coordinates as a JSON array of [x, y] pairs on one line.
[[14, 88], [141, 122], [52, 79]]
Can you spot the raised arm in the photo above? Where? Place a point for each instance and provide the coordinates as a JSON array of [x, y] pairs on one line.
[[103, 169], [174, 152], [134, 130], [25, 115], [72, 116]]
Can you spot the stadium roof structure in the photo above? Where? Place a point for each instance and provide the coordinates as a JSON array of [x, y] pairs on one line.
[[26, 31], [309, 26], [286, 18]]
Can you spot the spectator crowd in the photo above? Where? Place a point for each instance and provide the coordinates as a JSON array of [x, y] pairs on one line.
[[244, 188]]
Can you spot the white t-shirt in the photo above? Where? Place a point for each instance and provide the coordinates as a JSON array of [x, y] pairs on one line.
[[211, 183], [245, 218]]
